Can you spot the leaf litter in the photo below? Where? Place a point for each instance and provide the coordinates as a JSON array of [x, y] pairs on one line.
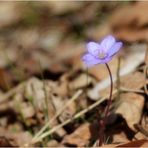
[[48, 97]]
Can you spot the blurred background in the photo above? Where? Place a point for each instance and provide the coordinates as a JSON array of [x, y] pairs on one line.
[[41, 45], [49, 35]]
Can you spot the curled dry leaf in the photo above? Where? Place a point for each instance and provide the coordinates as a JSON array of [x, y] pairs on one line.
[[109, 145], [130, 107], [54, 143], [23, 138], [19, 138], [139, 136], [27, 110], [138, 143], [81, 81], [5, 79], [142, 129], [4, 142], [80, 137], [83, 135], [36, 91], [68, 112], [120, 138]]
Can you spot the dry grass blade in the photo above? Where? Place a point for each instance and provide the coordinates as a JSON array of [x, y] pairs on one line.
[[131, 90], [69, 120], [75, 96]]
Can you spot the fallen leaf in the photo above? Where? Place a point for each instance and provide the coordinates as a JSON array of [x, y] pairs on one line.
[[27, 110], [133, 81], [5, 79], [139, 136], [130, 107], [19, 138], [10, 13], [138, 143], [4, 142], [81, 81], [84, 134], [54, 143], [36, 91], [80, 137], [132, 28], [68, 112]]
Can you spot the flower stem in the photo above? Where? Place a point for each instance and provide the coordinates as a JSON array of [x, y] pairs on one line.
[[103, 122]]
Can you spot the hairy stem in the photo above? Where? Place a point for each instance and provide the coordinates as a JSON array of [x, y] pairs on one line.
[[103, 122]]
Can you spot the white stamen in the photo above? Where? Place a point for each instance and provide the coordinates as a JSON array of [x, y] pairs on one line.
[[102, 55]]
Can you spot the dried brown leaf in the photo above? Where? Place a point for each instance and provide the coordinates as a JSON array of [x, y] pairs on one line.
[[130, 107], [68, 112], [4, 142], [5, 79], [19, 138], [138, 143], [80, 137], [10, 13], [133, 81], [131, 29], [81, 81]]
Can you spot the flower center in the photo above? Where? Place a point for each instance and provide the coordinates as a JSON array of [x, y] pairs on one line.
[[102, 55]]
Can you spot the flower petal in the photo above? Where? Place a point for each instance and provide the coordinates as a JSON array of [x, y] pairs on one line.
[[108, 42], [106, 60], [90, 60], [93, 48], [115, 48]]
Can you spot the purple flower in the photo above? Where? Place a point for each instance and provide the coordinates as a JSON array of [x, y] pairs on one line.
[[101, 53]]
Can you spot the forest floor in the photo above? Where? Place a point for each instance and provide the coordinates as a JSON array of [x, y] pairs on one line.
[[47, 96]]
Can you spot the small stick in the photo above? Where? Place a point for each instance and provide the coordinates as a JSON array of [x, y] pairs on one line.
[[118, 77], [131, 90], [141, 129]]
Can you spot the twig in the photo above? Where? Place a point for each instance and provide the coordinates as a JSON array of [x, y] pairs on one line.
[[118, 77], [131, 90], [141, 129], [69, 120]]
